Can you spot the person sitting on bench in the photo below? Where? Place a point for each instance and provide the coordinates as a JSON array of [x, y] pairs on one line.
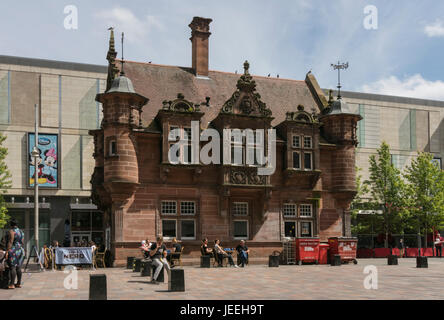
[[158, 254], [221, 254], [204, 248], [175, 252], [243, 252]]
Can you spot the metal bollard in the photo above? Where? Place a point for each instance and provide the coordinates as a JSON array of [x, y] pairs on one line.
[[176, 281], [392, 260], [129, 262], [421, 262], [97, 287], [273, 261], [205, 261], [336, 260]]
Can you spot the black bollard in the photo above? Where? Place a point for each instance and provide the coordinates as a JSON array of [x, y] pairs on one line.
[[205, 261], [129, 262], [146, 268], [421, 262], [336, 260], [137, 263], [392, 260], [161, 277], [97, 287], [273, 261], [176, 281]]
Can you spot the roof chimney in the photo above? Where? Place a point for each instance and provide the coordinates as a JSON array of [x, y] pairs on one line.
[[200, 32]]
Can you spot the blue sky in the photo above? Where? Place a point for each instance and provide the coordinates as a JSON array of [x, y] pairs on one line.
[[403, 56]]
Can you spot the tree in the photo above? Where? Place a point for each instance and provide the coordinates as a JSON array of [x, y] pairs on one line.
[[387, 190], [5, 182], [425, 193]]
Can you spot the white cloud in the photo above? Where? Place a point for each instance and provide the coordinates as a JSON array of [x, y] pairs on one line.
[[123, 19], [435, 30], [414, 86]]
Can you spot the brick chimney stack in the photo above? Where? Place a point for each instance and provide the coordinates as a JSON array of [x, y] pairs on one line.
[[200, 32]]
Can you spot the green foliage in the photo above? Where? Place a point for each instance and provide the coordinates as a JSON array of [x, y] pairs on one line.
[[5, 182], [387, 190], [425, 192]]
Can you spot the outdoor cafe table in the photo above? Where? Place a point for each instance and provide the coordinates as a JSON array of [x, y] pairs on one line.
[[70, 256]]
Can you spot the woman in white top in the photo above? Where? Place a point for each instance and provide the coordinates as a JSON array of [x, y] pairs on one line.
[[221, 254]]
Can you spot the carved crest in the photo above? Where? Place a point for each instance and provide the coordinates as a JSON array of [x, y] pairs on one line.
[[245, 100], [301, 116], [180, 105]]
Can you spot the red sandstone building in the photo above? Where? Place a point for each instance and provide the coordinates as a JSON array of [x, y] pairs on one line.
[[144, 195]]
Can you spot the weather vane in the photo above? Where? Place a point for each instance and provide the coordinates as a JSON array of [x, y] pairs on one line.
[[123, 60], [339, 67]]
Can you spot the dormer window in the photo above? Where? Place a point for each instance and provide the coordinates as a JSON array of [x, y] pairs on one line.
[[301, 153], [183, 154]]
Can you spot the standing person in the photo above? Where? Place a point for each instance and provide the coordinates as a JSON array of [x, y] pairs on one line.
[[15, 254], [401, 247], [158, 253], [438, 244], [243, 252], [221, 254]]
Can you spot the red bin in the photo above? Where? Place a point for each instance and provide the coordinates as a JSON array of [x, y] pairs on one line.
[[307, 250], [345, 247], [323, 253]]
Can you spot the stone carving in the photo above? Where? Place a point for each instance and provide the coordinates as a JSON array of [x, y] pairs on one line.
[[180, 105], [246, 176], [245, 100]]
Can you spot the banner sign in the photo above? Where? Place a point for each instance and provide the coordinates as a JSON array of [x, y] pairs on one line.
[[47, 162], [73, 255]]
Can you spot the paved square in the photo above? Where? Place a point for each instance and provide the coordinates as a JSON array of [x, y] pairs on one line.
[[404, 281]]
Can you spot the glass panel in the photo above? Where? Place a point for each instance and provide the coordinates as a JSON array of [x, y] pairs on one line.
[[169, 228], [97, 237], [188, 229], [296, 142], [289, 210], [240, 208], [187, 207], [97, 220], [306, 229], [44, 219], [81, 220], [44, 238], [169, 207], [290, 229], [307, 142], [296, 160], [240, 229], [306, 210], [307, 161]]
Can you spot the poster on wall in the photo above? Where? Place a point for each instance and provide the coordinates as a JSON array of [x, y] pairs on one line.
[[47, 162]]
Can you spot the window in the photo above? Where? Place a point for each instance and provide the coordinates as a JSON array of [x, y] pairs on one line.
[[240, 208], [184, 153], [308, 163], [289, 210], [290, 228], [187, 208], [307, 143], [296, 141], [255, 146], [306, 210], [240, 229], [188, 230], [296, 160], [306, 229], [169, 228], [112, 148], [169, 207], [237, 147], [437, 162]]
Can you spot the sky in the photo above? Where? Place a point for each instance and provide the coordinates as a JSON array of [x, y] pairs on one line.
[[393, 47]]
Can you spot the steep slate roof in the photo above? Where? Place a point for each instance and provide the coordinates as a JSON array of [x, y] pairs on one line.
[[159, 83]]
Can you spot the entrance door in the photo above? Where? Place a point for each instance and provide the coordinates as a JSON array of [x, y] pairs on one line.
[[80, 237]]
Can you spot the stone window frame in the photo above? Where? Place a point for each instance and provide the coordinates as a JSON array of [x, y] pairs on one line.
[[288, 204], [301, 150], [293, 141], [311, 161], [292, 158], [311, 142], [298, 218]]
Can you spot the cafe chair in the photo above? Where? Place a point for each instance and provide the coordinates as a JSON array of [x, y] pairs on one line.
[[177, 256], [100, 257]]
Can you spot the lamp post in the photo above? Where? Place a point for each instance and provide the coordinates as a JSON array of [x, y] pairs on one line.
[[35, 154]]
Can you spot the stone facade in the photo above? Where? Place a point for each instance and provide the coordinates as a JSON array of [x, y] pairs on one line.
[[144, 194]]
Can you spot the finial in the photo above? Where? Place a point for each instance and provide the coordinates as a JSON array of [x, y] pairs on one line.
[[111, 39], [330, 96], [339, 67], [246, 67], [122, 73]]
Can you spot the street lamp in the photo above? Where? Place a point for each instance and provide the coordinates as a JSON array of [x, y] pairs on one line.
[[35, 154]]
